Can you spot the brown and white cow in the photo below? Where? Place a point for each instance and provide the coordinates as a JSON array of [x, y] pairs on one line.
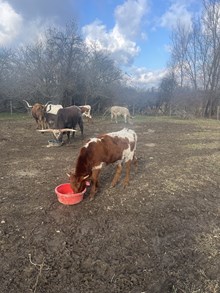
[[120, 111], [106, 149]]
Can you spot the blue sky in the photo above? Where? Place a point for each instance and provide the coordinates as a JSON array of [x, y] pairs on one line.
[[136, 33]]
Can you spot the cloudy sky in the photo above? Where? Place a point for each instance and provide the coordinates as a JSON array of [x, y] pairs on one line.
[[134, 32]]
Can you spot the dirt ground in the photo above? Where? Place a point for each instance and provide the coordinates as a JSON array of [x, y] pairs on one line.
[[160, 234]]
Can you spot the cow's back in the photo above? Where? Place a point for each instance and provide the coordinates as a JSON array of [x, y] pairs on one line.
[[117, 110], [68, 117]]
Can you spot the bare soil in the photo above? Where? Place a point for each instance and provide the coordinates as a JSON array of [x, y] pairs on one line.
[[160, 234]]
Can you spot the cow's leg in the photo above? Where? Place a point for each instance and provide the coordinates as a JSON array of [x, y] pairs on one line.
[[81, 126], [95, 183], [135, 162], [42, 124], [72, 135], [117, 175], [127, 176], [45, 124], [68, 136], [37, 122]]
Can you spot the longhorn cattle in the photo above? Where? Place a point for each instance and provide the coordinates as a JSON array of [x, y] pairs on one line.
[[120, 111], [38, 112], [106, 149], [66, 121]]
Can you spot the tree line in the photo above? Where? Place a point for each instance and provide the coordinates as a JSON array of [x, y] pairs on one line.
[[59, 68], [62, 69], [195, 61]]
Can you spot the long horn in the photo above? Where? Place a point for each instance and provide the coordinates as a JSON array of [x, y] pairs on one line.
[[29, 106], [47, 104], [67, 129], [49, 108], [46, 130], [52, 130]]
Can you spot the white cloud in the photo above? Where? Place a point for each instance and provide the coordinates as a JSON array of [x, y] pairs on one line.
[[11, 23], [177, 13], [129, 17], [145, 78], [120, 41], [122, 49], [15, 30]]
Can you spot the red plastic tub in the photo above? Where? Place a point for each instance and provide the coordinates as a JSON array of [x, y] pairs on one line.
[[66, 195]]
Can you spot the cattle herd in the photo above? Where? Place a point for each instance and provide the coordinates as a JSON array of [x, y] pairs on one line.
[[114, 147]]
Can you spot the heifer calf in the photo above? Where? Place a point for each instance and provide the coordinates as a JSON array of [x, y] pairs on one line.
[[105, 149]]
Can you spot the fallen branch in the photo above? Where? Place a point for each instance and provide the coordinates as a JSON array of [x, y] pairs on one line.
[[39, 273]]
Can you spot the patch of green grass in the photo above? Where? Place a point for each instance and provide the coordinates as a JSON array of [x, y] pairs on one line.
[[206, 123], [13, 116], [204, 135]]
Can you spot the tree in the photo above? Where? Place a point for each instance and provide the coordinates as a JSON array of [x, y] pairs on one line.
[[166, 93], [98, 77], [196, 54]]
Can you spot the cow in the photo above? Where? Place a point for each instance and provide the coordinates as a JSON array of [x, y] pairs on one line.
[[66, 121], [106, 149], [120, 111], [38, 113]]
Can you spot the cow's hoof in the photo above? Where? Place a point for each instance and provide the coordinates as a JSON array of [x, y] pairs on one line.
[[125, 184]]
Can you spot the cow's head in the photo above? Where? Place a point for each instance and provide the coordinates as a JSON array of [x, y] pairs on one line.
[[58, 134], [77, 183]]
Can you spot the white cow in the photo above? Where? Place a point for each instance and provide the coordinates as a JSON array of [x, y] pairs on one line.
[[120, 111]]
